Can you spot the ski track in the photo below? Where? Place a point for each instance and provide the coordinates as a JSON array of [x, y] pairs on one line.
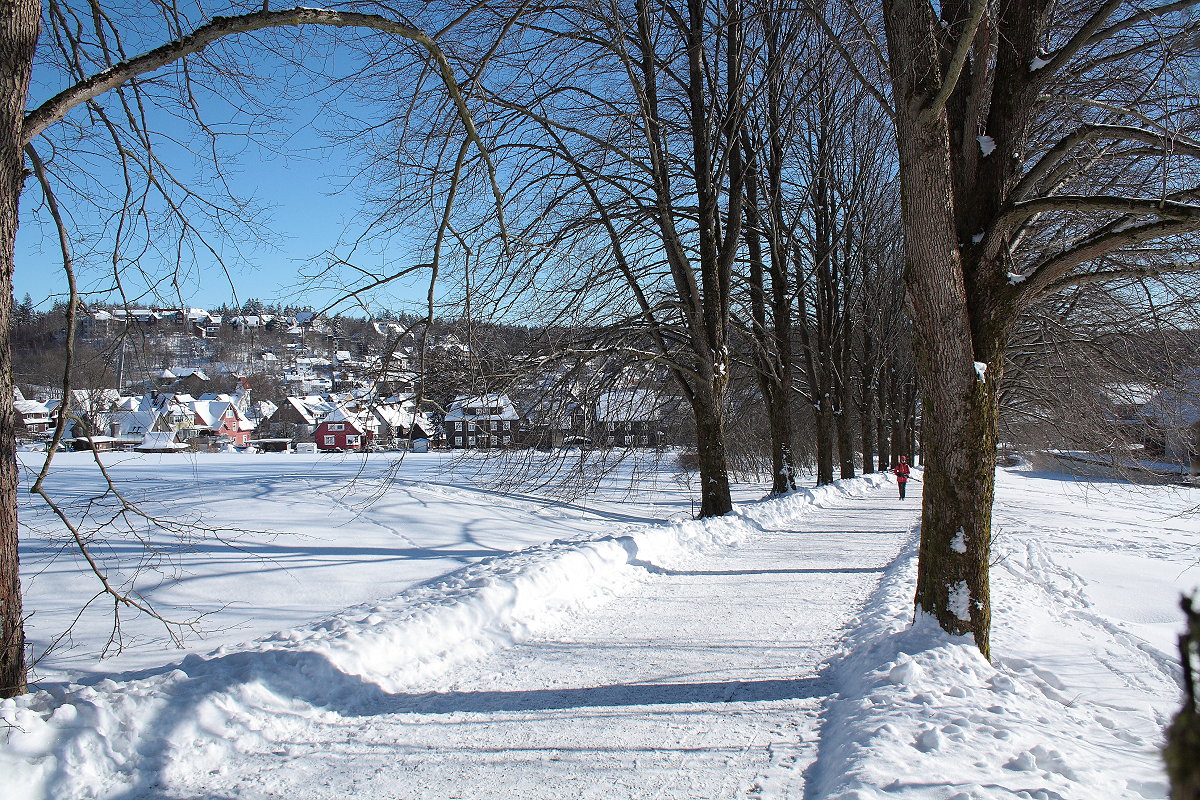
[[622, 702]]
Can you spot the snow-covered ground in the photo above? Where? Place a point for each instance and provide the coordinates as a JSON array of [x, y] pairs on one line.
[[277, 540], [409, 633]]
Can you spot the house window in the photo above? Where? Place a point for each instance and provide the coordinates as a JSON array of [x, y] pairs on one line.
[[470, 426], [612, 426], [628, 440], [645, 440], [610, 439], [458, 427], [458, 441], [508, 440], [495, 425], [470, 441], [330, 440], [337, 426], [352, 439]]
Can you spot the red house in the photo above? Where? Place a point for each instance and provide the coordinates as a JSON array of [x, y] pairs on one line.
[[219, 418], [341, 431]]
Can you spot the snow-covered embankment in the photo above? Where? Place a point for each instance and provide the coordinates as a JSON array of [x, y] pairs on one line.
[[118, 734]]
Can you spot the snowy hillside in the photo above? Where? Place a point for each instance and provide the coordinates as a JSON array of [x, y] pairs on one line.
[[421, 636]]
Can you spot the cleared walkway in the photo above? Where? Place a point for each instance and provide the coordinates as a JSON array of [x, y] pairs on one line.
[[704, 682]]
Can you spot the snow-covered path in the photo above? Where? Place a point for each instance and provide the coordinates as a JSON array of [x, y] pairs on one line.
[[704, 679]]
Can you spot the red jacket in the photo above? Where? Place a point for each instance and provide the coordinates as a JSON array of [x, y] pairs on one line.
[[901, 471]]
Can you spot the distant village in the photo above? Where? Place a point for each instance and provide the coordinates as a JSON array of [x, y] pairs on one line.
[[187, 379]]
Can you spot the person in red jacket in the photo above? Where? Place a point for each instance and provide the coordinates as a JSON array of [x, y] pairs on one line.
[[901, 471]]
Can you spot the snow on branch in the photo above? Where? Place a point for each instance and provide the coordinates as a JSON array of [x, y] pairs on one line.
[[1097, 30], [1051, 274], [1164, 209]]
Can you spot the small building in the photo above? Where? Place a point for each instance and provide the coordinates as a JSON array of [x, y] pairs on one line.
[[160, 442], [628, 418], [32, 417], [483, 422], [341, 430], [278, 445], [99, 444], [221, 419]]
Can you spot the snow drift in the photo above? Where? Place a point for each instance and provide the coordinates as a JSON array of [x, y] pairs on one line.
[[115, 735]]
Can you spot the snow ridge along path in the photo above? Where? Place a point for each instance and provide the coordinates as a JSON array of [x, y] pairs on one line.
[[660, 662]]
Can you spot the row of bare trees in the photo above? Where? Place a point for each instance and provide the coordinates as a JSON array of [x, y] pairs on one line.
[[707, 188]]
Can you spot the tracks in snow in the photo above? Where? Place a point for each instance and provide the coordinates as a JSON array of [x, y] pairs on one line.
[[706, 680]]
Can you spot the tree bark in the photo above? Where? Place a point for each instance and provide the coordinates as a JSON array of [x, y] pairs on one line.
[[18, 40], [886, 461], [960, 409], [715, 498]]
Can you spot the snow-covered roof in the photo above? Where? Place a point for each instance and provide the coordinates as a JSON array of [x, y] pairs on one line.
[[1177, 408], [482, 407], [311, 408], [167, 375], [32, 408], [627, 405], [130, 423], [344, 415], [159, 441], [1134, 394], [211, 414], [263, 409], [403, 416]]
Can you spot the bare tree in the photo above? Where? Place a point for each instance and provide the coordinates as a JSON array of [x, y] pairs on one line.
[[1042, 146], [85, 45]]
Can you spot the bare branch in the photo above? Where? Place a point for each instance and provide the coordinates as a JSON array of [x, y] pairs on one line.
[[961, 51]]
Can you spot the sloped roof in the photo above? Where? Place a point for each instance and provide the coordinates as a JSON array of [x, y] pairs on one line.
[[31, 408], [341, 414], [459, 407], [627, 405], [134, 422], [211, 412], [403, 416], [159, 441]]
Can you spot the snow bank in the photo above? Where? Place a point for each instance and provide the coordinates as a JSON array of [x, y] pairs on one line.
[[117, 735], [920, 713]]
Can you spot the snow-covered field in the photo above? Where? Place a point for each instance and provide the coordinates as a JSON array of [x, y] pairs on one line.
[[405, 631]]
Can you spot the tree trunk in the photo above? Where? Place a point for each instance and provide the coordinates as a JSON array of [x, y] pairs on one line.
[[845, 442], [842, 396], [959, 407], [779, 420], [959, 449], [866, 406], [886, 461], [18, 40], [715, 499], [824, 435]]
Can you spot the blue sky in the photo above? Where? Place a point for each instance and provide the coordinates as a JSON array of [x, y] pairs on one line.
[[309, 208]]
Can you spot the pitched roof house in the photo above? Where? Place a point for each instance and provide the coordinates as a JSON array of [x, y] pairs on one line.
[[483, 421]]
